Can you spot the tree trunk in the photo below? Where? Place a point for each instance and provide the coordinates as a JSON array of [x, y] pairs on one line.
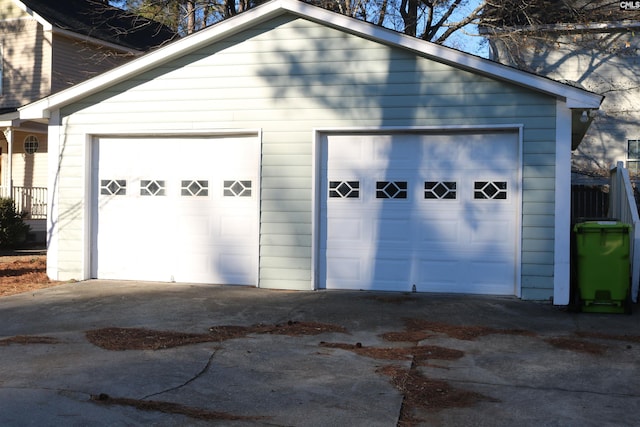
[[191, 16], [409, 13]]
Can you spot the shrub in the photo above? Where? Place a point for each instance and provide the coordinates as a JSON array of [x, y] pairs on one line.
[[13, 230]]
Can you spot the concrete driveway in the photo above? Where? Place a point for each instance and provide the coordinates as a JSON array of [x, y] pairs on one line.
[[311, 359]]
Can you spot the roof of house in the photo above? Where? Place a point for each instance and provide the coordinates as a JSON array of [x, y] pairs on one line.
[[534, 13], [98, 20], [575, 97]]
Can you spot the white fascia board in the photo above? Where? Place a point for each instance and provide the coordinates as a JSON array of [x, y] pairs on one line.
[[9, 120], [45, 24], [575, 98]]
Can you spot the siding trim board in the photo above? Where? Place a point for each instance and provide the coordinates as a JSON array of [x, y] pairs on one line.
[[561, 280]]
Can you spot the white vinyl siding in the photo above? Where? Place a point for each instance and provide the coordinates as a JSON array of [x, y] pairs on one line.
[[288, 77]]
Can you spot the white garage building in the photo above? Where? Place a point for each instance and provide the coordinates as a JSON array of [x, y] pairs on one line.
[[295, 148]]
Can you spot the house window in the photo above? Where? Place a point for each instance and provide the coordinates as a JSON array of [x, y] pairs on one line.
[[31, 144], [633, 155]]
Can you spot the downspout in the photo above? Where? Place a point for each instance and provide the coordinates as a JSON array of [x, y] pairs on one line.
[[8, 189]]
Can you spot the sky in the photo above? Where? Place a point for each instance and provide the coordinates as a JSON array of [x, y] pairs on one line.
[[466, 40]]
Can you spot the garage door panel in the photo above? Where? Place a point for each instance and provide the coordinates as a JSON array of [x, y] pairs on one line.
[[437, 231], [439, 274], [395, 231], [240, 226], [186, 201], [346, 229], [349, 269], [460, 204], [485, 235], [491, 272]]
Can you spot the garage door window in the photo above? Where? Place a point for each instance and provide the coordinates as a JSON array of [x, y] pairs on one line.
[[196, 188], [344, 189], [490, 190], [237, 188], [391, 189], [443, 190], [151, 187], [113, 187]]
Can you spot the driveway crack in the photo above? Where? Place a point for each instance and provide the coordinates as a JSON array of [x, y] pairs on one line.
[[190, 380], [558, 389]]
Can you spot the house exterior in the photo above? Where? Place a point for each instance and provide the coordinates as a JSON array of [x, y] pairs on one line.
[[599, 56], [46, 47], [294, 148]]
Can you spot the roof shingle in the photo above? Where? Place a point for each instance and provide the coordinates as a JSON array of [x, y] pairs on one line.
[[97, 19]]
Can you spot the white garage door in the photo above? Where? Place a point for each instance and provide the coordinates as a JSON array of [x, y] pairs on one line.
[[436, 211], [176, 209]]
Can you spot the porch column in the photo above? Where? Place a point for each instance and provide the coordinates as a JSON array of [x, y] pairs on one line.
[[8, 187]]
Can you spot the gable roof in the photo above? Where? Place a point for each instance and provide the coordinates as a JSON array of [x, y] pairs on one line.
[[574, 97], [98, 20]]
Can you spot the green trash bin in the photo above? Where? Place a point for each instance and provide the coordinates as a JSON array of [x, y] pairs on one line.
[[603, 269]]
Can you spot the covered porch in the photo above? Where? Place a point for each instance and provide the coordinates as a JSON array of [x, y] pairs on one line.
[[23, 170]]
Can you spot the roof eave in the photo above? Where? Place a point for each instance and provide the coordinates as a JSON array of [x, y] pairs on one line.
[[93, 40]]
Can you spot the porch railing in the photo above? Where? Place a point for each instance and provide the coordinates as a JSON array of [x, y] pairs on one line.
[[622, 206], [31, 200]]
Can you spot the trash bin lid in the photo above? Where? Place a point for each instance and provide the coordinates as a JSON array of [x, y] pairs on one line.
[[602, 225]]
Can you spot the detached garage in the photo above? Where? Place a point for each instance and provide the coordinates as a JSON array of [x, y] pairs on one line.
[[294, 148]]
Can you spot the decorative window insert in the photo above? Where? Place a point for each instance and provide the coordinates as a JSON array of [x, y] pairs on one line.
[[196, 188], [440, 190], [152, 187], [490, 190], [344, 189], [31, 144], [391, 189], [237, 188], [633, 155], [113, 187]]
